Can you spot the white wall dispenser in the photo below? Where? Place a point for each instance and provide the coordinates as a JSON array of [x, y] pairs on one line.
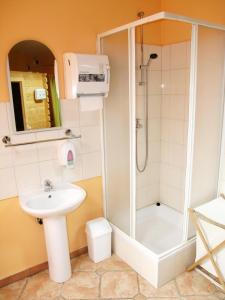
[[67, 155], [87, 78]]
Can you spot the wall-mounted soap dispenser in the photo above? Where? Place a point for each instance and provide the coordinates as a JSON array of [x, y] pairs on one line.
[[66, 154]]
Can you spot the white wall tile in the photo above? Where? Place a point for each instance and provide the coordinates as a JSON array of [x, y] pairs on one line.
[[166, 152], [166, 60], [50, 170], [166, 107], [140, 88], [178, 81], [91, 139], [7, 183], [155, 82], [166, 82], [34, 163], [24, 154], [27, 177], [147, 195], [90, 118], [176, 131], [179, 55], [154, 130], [154, 155], [91, 164], [177, 107], [178, 155], [5, 154], [140, 107], [47, 151], [154, 106], [75, 174], [70, 114]]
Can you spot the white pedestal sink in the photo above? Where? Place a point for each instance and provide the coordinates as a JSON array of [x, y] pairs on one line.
[[52, 207]]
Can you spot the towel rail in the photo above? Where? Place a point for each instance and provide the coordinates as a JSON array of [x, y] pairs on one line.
[[69, 136]]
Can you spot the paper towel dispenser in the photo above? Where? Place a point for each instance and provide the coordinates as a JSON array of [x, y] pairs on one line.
[[86, 75]]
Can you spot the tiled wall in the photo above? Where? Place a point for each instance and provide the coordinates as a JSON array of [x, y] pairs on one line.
[[25, 167], [163, 179], [174, 120], [148, 182]]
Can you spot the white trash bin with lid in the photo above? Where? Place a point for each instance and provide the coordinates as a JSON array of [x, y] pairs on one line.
[[99, 239]]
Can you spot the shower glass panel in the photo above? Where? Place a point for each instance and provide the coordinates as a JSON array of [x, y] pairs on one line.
[[117, 132], [208, 117], [162, 99]]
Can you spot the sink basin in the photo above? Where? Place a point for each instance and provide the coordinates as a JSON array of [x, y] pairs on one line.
[[60, 201], [52, 207]]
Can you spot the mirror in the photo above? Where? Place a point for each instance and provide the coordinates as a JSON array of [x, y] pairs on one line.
[[34, 86]]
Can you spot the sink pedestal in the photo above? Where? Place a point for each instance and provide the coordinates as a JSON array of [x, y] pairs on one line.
[[57, 248]]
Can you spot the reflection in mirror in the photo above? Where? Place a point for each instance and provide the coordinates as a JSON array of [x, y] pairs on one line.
[[34, 86]]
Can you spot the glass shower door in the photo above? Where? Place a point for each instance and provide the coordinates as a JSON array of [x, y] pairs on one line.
[[117, 132]]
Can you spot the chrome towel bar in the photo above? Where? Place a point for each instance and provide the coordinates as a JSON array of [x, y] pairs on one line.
[[69, 136]]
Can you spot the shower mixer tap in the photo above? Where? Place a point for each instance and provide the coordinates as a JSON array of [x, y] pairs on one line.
[[138, 124]]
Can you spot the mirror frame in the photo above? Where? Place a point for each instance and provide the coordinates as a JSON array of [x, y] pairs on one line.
[[12, 120]]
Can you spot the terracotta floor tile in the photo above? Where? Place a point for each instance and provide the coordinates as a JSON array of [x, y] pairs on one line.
[[112, 279], [163, 298], [121, 284], [139, 297], [220, 295], [200, 298], [12, 291], [83, 285], [114, 263], [168, 290], [192, 283], [84, 263], [41, 287]]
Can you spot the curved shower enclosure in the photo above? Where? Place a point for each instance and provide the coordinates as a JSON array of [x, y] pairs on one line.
[[162, 137]]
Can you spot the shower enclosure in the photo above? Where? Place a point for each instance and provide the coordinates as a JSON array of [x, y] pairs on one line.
[[162, 137]]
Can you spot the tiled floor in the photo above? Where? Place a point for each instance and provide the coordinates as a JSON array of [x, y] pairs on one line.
[[111, 279]]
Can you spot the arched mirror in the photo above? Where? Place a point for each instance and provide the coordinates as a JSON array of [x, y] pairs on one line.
[[34, 87]]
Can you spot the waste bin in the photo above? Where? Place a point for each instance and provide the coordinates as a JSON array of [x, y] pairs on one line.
[[99, 239]]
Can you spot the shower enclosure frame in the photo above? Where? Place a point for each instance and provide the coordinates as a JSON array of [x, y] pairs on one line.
[[130, 27]]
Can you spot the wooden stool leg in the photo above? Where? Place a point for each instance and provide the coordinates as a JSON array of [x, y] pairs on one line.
[[209, 251], [203, 258]]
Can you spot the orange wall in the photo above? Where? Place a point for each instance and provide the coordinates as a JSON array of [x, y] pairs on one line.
[[210, 10], [22, 239], [164, 32], [68, 25]]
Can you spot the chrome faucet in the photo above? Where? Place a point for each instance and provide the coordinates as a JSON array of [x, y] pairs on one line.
[[48, 185]]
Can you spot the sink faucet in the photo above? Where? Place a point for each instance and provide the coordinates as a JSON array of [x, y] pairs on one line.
[[48, 185]]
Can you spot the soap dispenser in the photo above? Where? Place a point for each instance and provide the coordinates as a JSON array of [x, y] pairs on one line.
[[66, 154]]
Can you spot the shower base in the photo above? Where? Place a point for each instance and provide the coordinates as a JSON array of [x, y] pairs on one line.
[[158, 269], [159, 228]]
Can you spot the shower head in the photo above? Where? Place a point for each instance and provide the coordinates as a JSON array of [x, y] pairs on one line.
[[153, 55]]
